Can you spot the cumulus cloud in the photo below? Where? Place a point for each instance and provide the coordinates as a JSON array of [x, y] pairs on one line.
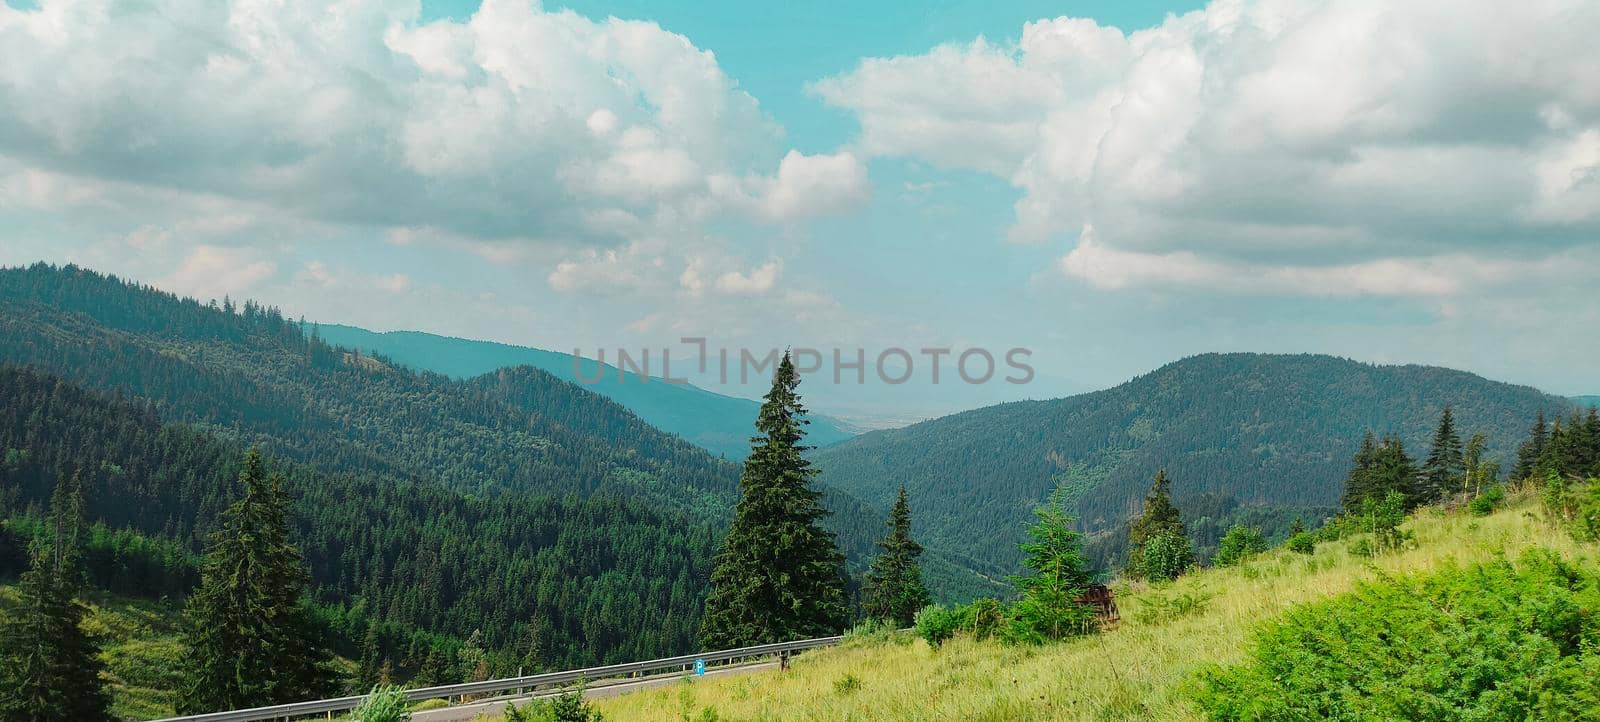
[[516, 125], [1269, 134], [216, 271]]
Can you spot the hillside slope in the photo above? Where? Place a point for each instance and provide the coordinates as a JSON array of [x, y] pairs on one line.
[[1136, 670], [711, 420], [1261, 437]]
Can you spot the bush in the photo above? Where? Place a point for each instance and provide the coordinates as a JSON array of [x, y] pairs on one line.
[[1301, 543], [937, 623], [846, 684], [1484, 504], [1240, 543], [1166, 557], [566, 707], [384, 704], [983, 618], [1490, 642]]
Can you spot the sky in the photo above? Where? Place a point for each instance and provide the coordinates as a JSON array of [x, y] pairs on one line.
[[1109, 185]]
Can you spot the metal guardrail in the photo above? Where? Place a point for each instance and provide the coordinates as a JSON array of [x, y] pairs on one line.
[[548, 679]]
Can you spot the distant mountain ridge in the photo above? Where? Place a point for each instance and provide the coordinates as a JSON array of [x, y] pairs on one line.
[[716, 422], [1254, 437]]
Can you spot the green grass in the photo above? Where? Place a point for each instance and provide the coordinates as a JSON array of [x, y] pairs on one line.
[[1136, 670], [141, 649]]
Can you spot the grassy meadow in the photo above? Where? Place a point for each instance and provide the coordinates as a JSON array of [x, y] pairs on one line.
[[1136, 670], [141, 649]]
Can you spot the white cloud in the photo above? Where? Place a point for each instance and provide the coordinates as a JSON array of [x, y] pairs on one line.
[[1269, 134], [1110, 268], [215, 271], [521, 124], [757, 281]]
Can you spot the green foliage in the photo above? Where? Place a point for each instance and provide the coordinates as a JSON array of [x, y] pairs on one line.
[[1443, 471], [893, 589], [49, 666], [779, 575], [1158, 517], [250, 638], [383, 704], [937, 623], [1484, 504], [1381, 469], [1302, 542], [1166, 557], [1491, 642], [1048, 609], [1240, 543], [983, 618], [847, 684], [566, 707]]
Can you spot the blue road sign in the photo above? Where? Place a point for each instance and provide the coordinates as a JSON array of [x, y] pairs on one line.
[[699, 666]]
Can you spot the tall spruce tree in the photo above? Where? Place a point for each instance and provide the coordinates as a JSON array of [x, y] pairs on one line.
[[893, 590], [1058, 576], [1393, 470], [779, 575], [1532, 450], [248, 629], [1159, 517], [1445, 465], [49, 666], [1358, 483]]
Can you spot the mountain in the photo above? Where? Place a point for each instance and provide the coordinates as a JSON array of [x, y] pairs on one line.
[[1245, 437], [721, 424], [427, 495], [1586, 401]]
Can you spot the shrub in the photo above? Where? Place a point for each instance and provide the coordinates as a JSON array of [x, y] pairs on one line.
[[1166, 557], [937, 623], [846, 684], [983, 617], [1240, 543], [1484, 504], [384, 704], [1301, 543], [1157, 608], [1489, 642], [566, 707]]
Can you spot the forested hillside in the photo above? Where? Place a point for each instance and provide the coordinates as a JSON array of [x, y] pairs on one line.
[[500, 504], [410, 555], [711, 420], [1245, 437]]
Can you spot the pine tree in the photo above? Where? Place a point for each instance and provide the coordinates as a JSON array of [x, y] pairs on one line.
[[1442, 471], [1059, 575], [1358, 483], [1160, 516], [49, 666], [369, 672], [779, 575], [1532, 450], [893, 590], [249, 631]]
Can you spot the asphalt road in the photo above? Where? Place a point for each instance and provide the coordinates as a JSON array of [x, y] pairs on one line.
[[493, 707]]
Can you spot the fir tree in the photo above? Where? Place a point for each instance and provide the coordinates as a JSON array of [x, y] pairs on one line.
[[779, 575], [249, 631], [1532, 450], [1358, 483], [369, 672], [1059, 575], [1444, 468], [893, 590], [1160, 516], [49, 666]]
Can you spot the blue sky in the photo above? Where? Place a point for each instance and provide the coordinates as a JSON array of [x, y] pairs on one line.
[[1111, 185]]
